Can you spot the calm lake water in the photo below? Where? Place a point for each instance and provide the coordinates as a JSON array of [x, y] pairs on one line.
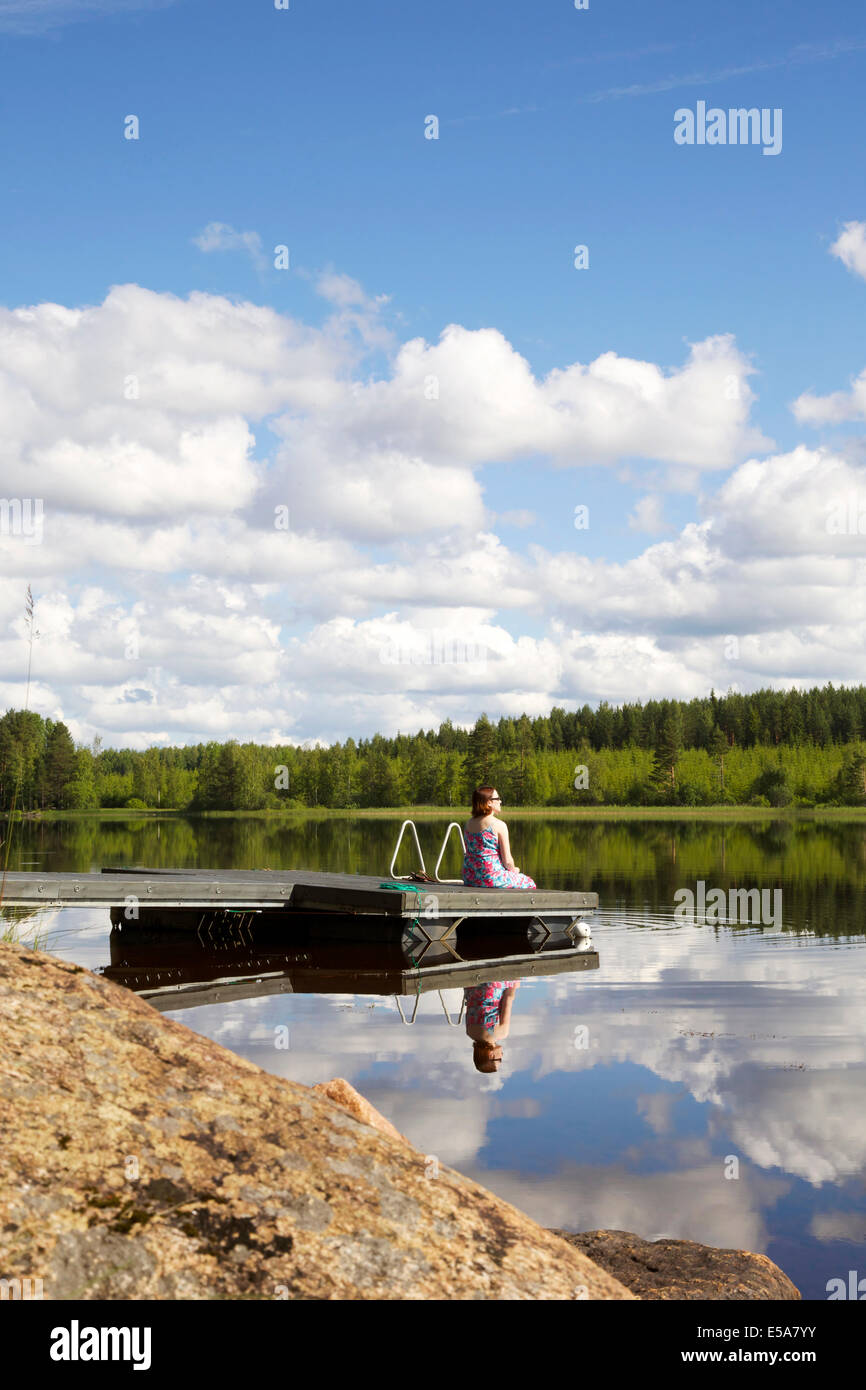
[[706, 1082]]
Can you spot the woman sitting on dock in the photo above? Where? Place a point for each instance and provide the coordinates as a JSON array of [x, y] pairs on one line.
[[488, 862]]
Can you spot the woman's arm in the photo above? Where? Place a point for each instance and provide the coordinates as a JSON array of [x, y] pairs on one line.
[[505, 847], [505, 1004]]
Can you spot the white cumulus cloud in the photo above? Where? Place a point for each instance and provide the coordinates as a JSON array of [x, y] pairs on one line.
[[850, 247]]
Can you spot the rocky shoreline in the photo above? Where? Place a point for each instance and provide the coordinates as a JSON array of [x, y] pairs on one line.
[[683, 1269], [144, 1161]]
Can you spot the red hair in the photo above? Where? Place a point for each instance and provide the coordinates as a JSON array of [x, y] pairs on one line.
[[481, 803], [482, 1056]]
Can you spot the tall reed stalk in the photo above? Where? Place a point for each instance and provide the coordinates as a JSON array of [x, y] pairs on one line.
[[32, 634]]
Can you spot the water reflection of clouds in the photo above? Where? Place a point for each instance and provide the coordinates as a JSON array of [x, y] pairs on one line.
[[830, 1226], [686, 1203], [810, 1125], [70, 933], [729, 1021], [657, 1110], [749, 1041]]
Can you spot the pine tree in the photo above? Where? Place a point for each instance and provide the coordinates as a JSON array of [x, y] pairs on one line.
[[851, 786], [59, 764], [422, 773], [379, 779], [522, 759], [666, 755], [479, 762], [718, 749]]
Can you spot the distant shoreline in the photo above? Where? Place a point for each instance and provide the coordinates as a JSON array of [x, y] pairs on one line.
[[685, 813]]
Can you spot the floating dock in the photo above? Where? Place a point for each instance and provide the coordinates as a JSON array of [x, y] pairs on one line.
[[346, 903]]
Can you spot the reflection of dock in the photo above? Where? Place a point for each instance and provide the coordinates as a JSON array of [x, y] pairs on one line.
[[177, 897], [177, 971]]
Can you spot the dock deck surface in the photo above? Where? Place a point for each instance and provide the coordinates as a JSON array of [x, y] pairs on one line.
[[300, 890]]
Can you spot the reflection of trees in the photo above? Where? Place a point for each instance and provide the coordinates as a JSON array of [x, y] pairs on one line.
[[773, 838], [821, 867]]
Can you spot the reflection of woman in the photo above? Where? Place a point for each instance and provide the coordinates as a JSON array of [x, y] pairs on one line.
[[488, 1018], [488, 862]]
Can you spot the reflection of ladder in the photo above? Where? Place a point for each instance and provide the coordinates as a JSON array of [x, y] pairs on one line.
[[454, 1023], [453, 825]]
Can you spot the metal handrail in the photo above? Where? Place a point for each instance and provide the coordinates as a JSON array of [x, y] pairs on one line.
[[399, 842], [453, 825]]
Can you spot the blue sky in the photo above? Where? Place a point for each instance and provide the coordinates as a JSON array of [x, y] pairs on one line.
[[306, 128]]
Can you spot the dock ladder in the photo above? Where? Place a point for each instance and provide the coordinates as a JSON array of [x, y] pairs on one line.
[[453, 825]]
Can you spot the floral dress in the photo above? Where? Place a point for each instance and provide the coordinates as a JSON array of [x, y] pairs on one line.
[[482, 1004], [482, 866]]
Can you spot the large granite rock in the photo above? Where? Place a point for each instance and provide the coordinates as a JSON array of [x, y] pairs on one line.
[[681, 1269], [143, 1161]]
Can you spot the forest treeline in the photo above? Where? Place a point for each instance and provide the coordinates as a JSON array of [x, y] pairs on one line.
[[767, 748]]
